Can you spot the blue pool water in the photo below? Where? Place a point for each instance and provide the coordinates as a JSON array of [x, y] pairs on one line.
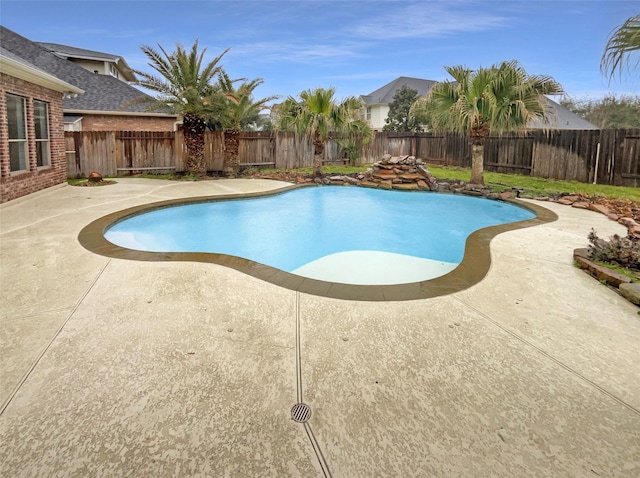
[[291, 230]]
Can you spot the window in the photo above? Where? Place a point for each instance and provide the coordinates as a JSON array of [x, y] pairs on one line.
[[369, 113], [41, 120], [17, 122], [113, 70]]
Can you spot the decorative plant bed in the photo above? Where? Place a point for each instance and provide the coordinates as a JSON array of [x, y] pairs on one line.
[[621, 283]]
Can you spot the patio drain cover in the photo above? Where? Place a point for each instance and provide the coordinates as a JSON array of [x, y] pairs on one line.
[[301, 412]]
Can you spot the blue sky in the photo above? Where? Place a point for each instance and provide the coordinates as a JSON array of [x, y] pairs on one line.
[[354, 46]]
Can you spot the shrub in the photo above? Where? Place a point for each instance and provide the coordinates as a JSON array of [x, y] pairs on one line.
[[618, 250]]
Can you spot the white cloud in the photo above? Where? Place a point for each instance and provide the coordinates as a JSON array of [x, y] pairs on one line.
[[428, 20], [286, 52]]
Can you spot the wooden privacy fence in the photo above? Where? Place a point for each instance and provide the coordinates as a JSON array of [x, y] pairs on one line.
[[603, 156]]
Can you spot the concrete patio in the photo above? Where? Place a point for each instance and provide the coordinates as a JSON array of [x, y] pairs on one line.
[[114, 368]]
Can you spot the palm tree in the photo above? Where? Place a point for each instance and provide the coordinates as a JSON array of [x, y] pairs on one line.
[[186, 87], [317, 114], [622, 42], [240, 111], [496, 99]]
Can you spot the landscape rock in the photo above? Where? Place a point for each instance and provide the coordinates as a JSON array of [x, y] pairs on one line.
[[506, 195], [580, 205], [601, 208], [631, 292], [95, 177], [393, 171], [406, 186], [627, 221], [423, 185], [423, 171], [601, 273], [384, 174], [411, 177], [369, 184]]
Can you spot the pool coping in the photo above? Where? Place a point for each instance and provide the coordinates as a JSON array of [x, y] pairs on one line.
[[471, 270]]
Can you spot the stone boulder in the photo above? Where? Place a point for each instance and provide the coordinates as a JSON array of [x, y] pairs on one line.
[[400, 172], [95, 177]]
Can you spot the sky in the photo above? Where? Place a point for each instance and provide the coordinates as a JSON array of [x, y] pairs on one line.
[[354, 46]]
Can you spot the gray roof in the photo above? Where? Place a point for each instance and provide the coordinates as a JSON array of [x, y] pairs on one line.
[[69, 52], [102, 92], [385, 94], [73, 52], [560, 117], [9, 54]]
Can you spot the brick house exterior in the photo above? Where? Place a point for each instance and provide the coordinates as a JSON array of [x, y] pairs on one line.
[[32, 149], [137, 122], [16, 184], [38, 88]]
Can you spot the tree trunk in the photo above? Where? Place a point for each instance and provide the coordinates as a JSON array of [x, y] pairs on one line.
[[477, 137], [477, 164], [318, 156], [193, 128], [231, 167]]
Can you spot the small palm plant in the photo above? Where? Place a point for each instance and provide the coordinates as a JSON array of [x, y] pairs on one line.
[[317, 114], [496, 99], [240, 111], [187, 87]]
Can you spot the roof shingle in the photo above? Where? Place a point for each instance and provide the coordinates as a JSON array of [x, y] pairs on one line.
[[102, 92], [384, 94]]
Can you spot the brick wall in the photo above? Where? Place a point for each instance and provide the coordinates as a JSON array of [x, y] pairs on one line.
[[91, 122], [18, 184]]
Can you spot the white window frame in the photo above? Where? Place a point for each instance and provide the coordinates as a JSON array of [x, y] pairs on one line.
[[24, 142], [42, 144]]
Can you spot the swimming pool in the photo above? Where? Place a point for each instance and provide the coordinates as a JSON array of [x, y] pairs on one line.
[[344, 235]]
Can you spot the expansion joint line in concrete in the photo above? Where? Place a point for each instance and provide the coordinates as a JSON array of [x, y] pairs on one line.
[[298, 352], [307, 427], [553, 359], [55, 336]]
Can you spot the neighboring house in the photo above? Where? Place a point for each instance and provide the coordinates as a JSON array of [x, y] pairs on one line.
[[377, 102], [32, 147], [93, 61], [377, 107], [106, 104]]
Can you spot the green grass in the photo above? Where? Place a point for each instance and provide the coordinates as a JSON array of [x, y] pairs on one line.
[[333, 169], [166, 176], [537, 186], [85, 182], [620, 270], [499, 181], [496, 181]]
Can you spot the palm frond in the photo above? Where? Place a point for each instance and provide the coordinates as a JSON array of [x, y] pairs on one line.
[[623, 42]]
